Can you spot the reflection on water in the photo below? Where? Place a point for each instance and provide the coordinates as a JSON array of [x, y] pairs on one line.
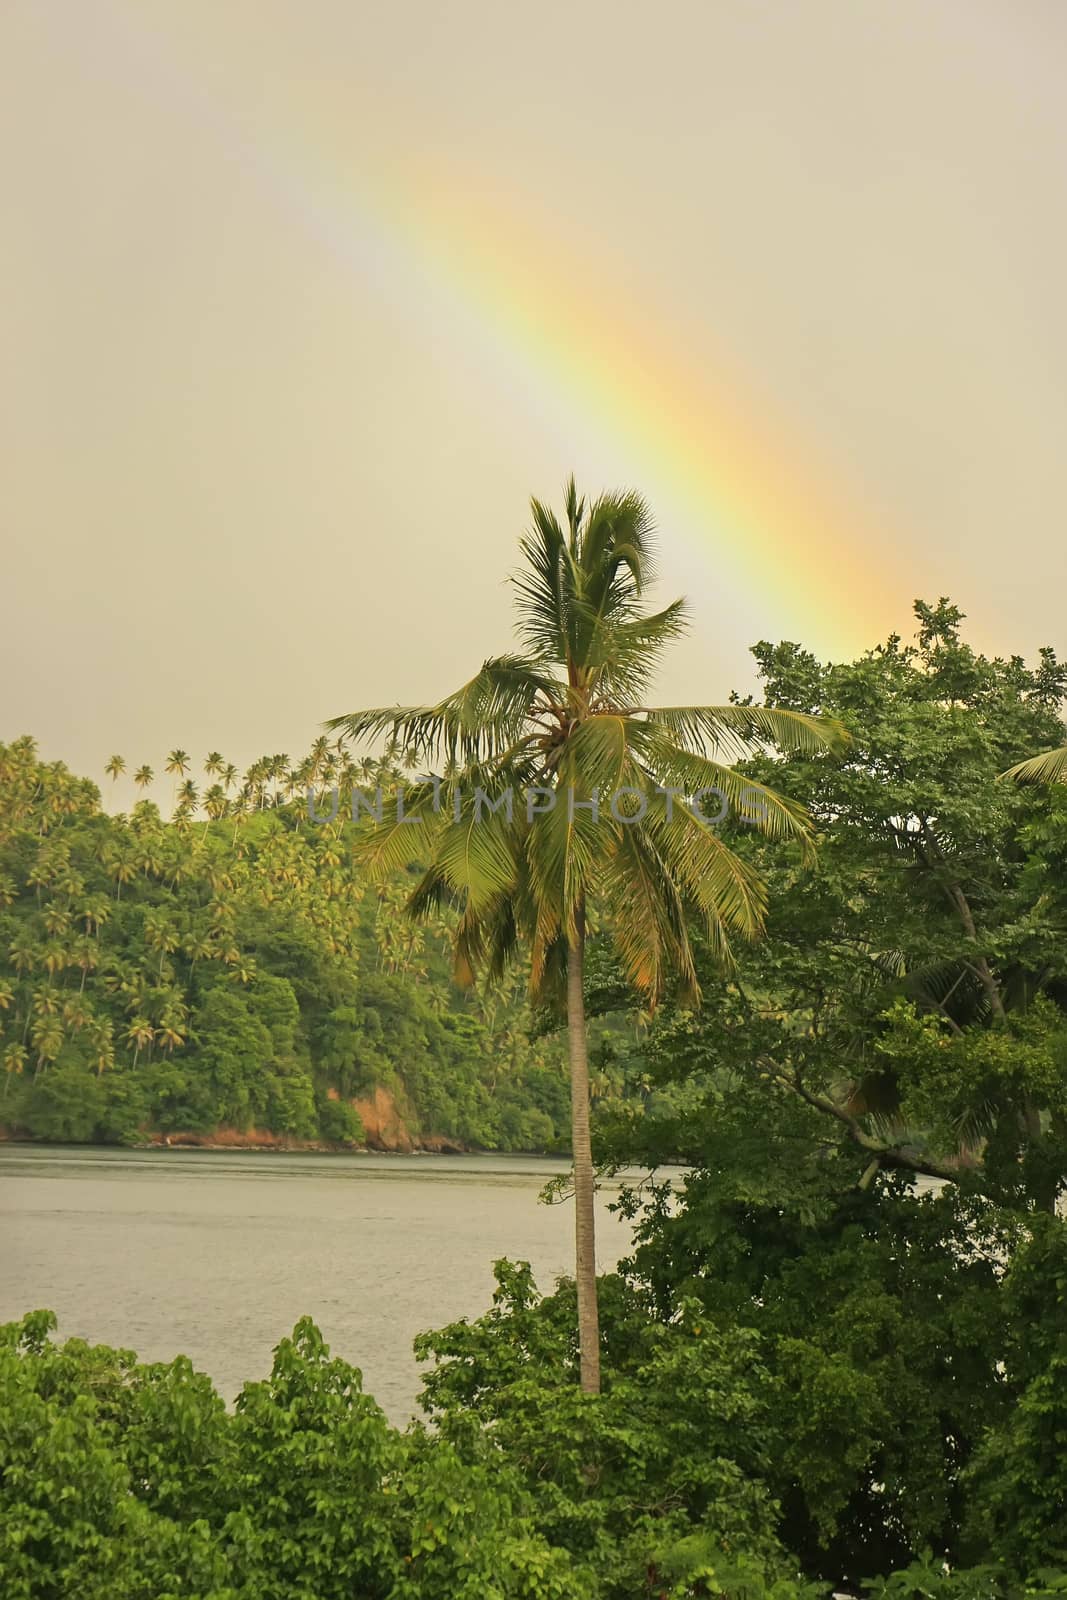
[[215, 1254]]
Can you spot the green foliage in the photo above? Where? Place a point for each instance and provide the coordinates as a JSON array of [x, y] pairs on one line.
[[1020, 1474], [340, 1121], [66, 1105], [837, 1358], [567, 717], [180, 977], [872, 1110], [881, 1321], [829, 1387], [122, 1479], [672, 1449]]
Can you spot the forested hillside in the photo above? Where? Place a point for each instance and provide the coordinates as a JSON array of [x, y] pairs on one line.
[[228, 968], [836, 1360]]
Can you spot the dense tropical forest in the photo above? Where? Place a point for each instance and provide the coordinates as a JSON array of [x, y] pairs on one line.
[[229, 967], [837, 1357]]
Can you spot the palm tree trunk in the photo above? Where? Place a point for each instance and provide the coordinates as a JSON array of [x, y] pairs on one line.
[[584, 1223]]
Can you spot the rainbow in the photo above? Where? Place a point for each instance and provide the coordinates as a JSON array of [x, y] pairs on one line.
[[769, 527]]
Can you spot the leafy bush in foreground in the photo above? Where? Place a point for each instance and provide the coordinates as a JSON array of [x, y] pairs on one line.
[[129, 1481]]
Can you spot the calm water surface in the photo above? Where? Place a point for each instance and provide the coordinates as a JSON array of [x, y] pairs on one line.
[[215, 1254]]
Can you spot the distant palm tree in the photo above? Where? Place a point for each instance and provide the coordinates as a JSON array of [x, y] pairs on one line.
[[319, 757], [76, 1015], [115, 766], [160, 934], [198, 947], [1048, 768], [242, 968], [152, 855], [139, 1033], [188, 795], [215, 804], [46, 1037], [56, 920], [55, 957], [23, 953], [85, 957], [177, 762], [143, 777], [565, 721], [171, 1033], [121, 867], [101, 1046], [14, 1062]]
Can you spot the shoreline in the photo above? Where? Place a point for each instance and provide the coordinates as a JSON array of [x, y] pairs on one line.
[[256, 1142]]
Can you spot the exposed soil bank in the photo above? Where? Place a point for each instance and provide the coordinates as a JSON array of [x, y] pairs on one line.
[[263, 1139], [385, 1128]]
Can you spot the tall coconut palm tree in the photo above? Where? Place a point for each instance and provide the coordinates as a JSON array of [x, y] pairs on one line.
[[94, 913], [188, 796], [115, 766], [215, 804], [102, 1052], [56, 920], [85, 956], [318, 757], [143, 777], [527, 830], [161, 935], [1048, 768], [177, 763], [76, 1015], [23, 953], [121, 866], [171, 1033], [14, 1062], [139, 1033], [46, 1037], [198, 947]]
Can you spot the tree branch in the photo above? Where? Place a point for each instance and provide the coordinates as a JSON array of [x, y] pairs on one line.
[[982, 970], [886, 1155]]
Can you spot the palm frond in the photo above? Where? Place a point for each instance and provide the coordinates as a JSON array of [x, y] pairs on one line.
[[617, 548], [480, 720], [728, 893], [565, 842], [649, 924], [1048, 768], [755, 804], [401, 838], [538, 585], [739, 728], [486, 941], [623, 656], [432, 895], [476, 854]]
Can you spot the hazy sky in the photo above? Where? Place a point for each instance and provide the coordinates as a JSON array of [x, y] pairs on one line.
[[301, 302]]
